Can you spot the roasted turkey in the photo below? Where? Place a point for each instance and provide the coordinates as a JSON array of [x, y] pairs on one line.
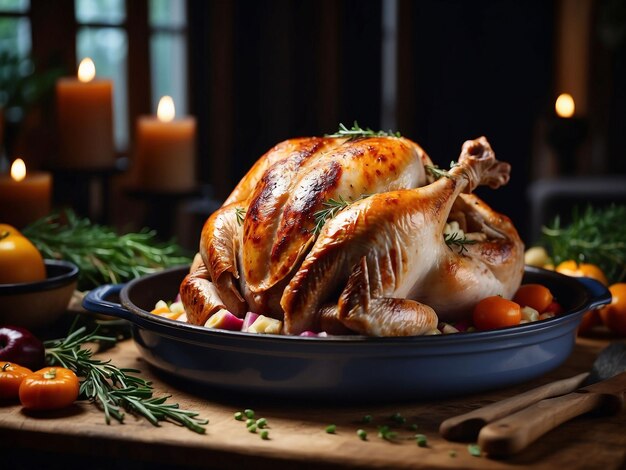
[[358, 236]]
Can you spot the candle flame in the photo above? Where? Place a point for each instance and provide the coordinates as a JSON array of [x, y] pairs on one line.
[[18, 170], [565, 105], [166, 110], [86, 70]]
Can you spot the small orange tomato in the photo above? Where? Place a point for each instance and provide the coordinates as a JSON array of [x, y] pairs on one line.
[[589, 321], [534, 296], [571, 268], [614, 315], [11, 376], [50, 388], [496, 312]]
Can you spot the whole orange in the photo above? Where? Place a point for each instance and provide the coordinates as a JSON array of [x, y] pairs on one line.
[[20, 260], [614, 314], [571, 268]]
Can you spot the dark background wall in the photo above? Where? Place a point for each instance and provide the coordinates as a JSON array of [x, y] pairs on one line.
[[269, 70]]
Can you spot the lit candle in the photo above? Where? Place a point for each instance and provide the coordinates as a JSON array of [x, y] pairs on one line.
[[24, 197], [565, 106], [566, 133], [85, 120], [165, 150]]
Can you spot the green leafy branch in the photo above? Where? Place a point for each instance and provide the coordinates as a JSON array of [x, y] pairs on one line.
[[595, 235], [357, 132], [240, 213], [101, 254], [115, 390], [454, 239], [331, 208]]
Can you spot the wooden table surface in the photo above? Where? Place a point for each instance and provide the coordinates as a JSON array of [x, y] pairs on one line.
[[71, 438]]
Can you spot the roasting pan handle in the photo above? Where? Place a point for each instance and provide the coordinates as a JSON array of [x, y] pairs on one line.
[[96, 301], [598, 292]]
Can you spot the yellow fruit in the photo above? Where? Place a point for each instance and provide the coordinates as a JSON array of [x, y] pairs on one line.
[[571, 268], [20, 260], [536, 256]]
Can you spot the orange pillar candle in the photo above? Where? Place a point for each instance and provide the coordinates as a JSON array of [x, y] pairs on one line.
[[24, 197], [165, 150], [85, 120]]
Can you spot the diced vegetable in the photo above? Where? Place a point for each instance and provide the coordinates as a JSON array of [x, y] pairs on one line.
[[224, 320], [447, 329], [248, 320], [175, 311], [266, 325], [529, 314]]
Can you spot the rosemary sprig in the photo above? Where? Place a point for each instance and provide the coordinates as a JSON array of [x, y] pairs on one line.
[[115, 390], [438, 172], [331, 208], [357, 132], [594, 235], [102, 255], [240, 213], [460, 241]]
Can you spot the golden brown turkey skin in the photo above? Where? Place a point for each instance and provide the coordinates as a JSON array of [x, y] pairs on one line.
[[380, 265], [397, 240]]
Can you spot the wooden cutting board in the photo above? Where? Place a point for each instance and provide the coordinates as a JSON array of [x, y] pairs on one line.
[[297, 432]]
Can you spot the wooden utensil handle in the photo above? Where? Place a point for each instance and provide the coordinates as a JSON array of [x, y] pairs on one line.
[[513, 433], [467, 425]]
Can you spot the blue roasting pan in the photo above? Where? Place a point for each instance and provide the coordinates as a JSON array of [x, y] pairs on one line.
[[349, 367]]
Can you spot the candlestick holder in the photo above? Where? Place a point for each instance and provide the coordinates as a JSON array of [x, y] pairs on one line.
[[161, 208], [565, 136], [87, 191]]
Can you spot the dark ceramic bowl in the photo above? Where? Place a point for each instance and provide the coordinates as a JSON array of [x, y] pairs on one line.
[[41, 303], [350, 367]]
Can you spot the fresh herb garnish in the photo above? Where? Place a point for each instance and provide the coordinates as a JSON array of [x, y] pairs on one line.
[[454, 239], [474, 449], [115, 390], [357, 132], [384, 432], [240, 213], [331, 208], [103, 256], [421, 440], [596, 236]]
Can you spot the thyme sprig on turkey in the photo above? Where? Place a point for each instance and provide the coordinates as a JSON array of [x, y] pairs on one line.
[[240, 213], [595, 235], [102, 255], [331, 208], [458, 240], [357, 132]]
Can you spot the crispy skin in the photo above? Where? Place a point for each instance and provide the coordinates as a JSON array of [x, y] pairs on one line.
[[380, 266], [398, 235]]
